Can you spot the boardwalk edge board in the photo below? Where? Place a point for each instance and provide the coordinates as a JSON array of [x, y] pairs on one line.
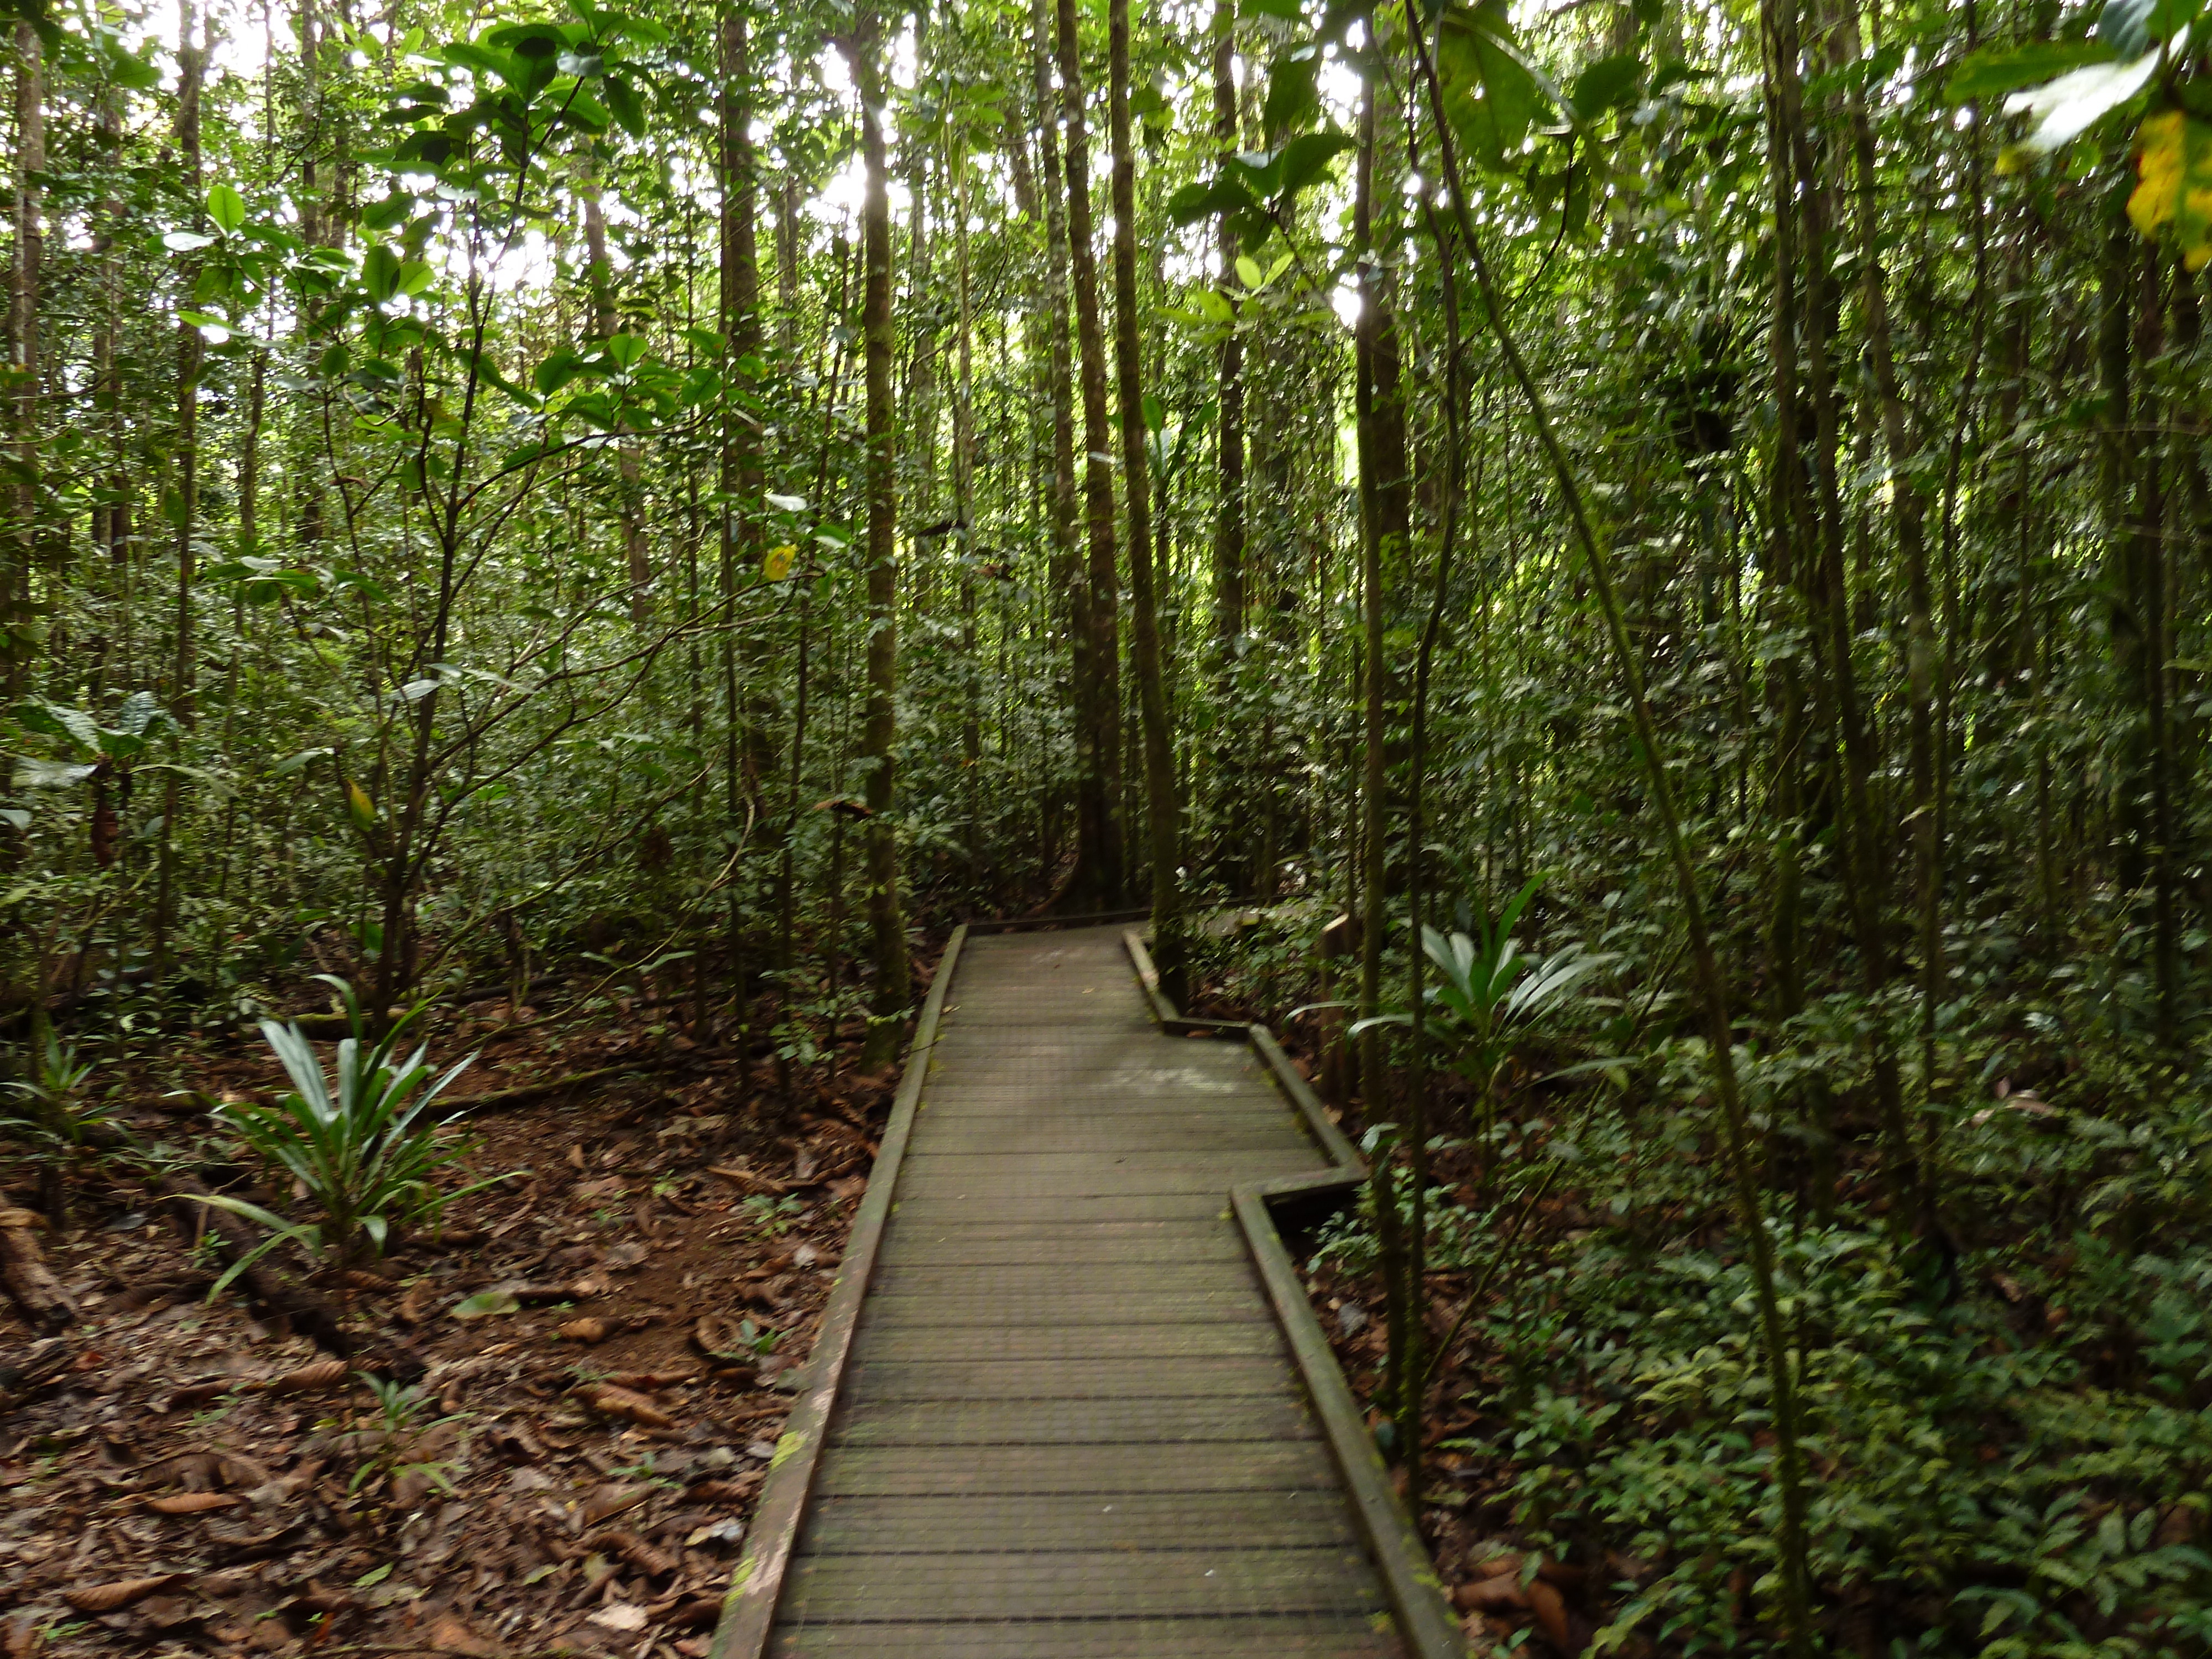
[[1053, 924], [749, 1609], [1426, 1623]]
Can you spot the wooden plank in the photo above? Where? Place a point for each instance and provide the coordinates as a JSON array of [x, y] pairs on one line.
[[1094, 1182], [1179, 1584], [990, 1249], [1103, 1377], [1139, 1420], [994, 1471], [984, 1311], [1141, 1282], [883, 1343], [1125, 1520], [1072, 1207], [1296, 1636], [1006, 1137]]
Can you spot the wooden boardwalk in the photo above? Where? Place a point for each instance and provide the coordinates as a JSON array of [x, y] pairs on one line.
[[1070, 1424]]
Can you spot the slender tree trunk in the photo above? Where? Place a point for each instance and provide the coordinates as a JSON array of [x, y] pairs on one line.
[[1065, 560], [1163, 815], [1099, 873], [1865, 884], [739, 300], [887, 925], [2146, 535], [1908, 509], [1229, 511], [18, 620], [963, 514], [1381, 535], [191, 63]]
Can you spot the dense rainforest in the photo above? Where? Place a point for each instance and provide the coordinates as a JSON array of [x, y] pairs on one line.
[[1631, 575]]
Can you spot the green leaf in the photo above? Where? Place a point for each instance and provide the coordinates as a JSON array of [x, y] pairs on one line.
[[1223, 194], [1995, 71], [1489, 97], [379, 272], [1291, 100], [186, 241], [2132, 28], [1305, 160], [1284, 10], [373, 1576], [629, 108], [226, 208], [484, 1305], [1609, 84], [1248, 271]]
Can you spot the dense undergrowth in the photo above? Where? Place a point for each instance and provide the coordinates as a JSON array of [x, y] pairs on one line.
[[2005, 1424]]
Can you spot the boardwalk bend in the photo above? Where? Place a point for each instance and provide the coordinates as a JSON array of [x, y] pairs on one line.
[[1067, 1412]]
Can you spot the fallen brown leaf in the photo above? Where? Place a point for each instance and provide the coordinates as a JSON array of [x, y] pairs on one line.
[[23, 1633], [587, 1331], [191, 1503], [622, 1404], [717, 1338], [1551, 1611], [106, 1598], [1493, 1594], [652, 1563], [449, 1635], [607, 1502], [322, 1374]]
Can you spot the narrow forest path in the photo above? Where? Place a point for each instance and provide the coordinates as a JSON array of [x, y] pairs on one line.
[[1070, 1423]]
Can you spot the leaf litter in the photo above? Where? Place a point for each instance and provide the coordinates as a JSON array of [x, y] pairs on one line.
[[592, 1363]]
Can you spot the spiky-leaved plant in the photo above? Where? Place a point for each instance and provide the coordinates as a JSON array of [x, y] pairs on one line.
[[367, 1151]]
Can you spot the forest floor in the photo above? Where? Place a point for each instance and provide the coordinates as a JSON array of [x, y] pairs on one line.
[[573, 1471]]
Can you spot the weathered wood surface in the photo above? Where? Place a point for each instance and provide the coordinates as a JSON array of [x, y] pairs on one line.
[[1071, 1427]]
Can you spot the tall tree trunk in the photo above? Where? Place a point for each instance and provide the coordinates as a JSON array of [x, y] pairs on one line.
[[1909, 509], [886, 923], [192, 64], [1163, 817], [1381, 535], [739, 302], [2146, 535], [630, 488], [963, 514], [1099, 874], [1865, 884], [1228, 511], [1060, 509], [18, 623]]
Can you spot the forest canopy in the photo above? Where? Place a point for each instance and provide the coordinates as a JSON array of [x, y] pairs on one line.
[[1630, 573]]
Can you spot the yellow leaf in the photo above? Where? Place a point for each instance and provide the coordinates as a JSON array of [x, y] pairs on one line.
[[2173, 188], [776, 564], [358, 803]]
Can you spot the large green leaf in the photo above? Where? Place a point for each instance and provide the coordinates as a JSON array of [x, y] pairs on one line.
[[1292, 100], [379, 272], [1304, 160], [1609, 84], [1995, 71], [1489, 97]]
